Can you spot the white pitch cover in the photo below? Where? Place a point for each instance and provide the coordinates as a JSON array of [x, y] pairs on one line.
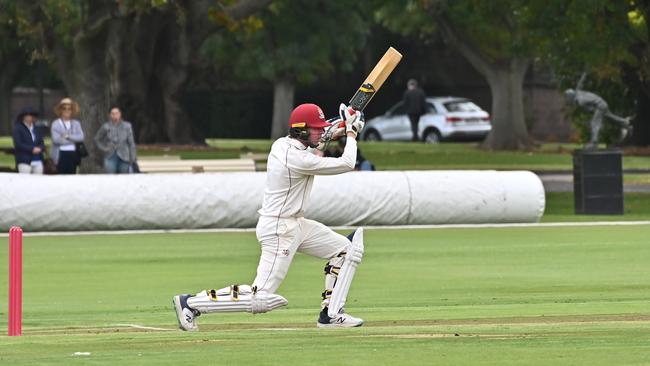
[[231, 200]]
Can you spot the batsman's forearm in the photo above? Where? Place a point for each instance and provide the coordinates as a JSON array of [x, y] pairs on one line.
[[350, 151]]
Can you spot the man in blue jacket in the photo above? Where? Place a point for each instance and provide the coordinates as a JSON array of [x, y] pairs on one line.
[[28, 144]]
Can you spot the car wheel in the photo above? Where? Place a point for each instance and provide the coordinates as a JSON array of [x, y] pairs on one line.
[[372, 135], [432, 137]]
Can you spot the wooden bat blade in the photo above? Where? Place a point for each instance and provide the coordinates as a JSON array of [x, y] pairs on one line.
[[375, 79]]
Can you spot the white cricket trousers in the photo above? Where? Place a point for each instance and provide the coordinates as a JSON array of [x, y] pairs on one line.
[[30, 169], [281, 238]]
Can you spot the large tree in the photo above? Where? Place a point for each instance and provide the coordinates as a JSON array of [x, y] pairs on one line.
[[608, 41], [135, 54], [13, 57], [500, 38], [495, 37], [636, 72], [301, 41]]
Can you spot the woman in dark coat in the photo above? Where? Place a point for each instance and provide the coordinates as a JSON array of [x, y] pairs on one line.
[[28, 143]]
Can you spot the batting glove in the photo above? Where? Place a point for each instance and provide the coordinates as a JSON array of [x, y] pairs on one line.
[[354, 120], [335, 131], [358, 125]]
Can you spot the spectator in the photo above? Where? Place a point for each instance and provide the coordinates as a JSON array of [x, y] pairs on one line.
[[115, 139], [66, 134], [414, 104], [336, 151], [362, 162], [28, 144]]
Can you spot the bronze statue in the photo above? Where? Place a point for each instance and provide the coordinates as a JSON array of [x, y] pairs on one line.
[[594, 103]]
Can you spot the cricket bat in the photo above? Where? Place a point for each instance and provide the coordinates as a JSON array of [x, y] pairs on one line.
[[375, 79], [366, 91]]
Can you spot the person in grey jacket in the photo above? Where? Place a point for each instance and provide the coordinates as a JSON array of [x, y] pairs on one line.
[[66, 133], [115, 139]]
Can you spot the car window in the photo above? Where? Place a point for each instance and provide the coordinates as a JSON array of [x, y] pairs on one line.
[[431, 108], [398, 109], [462, 106]]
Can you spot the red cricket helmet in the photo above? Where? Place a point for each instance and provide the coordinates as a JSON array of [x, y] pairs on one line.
[[307, 116]]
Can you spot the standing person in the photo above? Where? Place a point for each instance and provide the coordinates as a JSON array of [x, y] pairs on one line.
[[282, 230], [66, 133], [337, 150], [115, 139], [415, 105], [28, 144]]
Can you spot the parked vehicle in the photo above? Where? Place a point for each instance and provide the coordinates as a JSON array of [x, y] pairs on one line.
[[447, 118]]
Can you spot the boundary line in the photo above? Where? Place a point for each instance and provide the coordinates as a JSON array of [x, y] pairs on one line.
[[347, 227]]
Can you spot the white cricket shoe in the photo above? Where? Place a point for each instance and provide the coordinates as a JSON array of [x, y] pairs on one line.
[[184, 314], [341, 320]]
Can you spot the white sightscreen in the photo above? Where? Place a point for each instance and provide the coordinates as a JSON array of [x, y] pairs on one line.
[[231, 200]]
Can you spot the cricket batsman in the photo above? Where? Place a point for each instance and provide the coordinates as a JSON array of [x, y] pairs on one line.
[[282, 229]]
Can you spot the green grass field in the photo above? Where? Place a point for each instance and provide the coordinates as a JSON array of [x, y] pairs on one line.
[[560, 208], [399, 156], [482, 296], [575, 295], [410, 156]]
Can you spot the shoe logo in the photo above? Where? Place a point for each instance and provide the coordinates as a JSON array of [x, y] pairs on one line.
[[213, 294], [340, 320]]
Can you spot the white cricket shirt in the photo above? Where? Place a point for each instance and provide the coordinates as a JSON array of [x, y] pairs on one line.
[[290, 174]]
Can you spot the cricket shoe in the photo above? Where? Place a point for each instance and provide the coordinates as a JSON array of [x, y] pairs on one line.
[[341, 320], [185, 315]]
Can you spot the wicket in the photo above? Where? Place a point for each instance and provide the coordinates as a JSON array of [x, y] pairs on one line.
[[15, 281]]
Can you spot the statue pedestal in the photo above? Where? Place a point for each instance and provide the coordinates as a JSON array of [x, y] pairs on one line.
[[598, 181]]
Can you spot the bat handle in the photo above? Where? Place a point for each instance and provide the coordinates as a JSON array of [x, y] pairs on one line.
[[362, 97]]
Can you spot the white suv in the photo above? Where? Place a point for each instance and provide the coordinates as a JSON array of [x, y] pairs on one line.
[[447, 118]]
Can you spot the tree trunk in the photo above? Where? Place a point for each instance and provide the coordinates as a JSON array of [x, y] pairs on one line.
[[137, 60], [509, 130], [9, 73], [148, 75], [6, 122], [637, 76], [506, 80], [90, 91], [641, 122], [283, 93], [173, 77]]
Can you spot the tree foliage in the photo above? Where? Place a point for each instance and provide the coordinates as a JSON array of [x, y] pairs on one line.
[[292, 42], [137, 54], [15, 53], [142, 54], [592, 36], [292, 38], [609, 42], [570, 35]]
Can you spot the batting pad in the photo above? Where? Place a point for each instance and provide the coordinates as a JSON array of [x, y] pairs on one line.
[[235, 299], [344, 280]]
